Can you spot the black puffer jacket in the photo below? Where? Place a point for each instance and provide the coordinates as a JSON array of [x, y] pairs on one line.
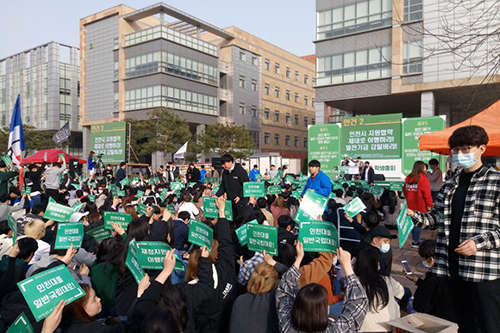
[[232, 184]]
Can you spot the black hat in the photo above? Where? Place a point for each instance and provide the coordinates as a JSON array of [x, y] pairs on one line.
[[380, 231]]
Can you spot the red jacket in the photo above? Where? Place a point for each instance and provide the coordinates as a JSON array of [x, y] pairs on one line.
[[418, 196]]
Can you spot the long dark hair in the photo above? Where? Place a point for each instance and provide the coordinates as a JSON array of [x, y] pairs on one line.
[[392, 201], [76, 308], [310, 309], [418, 168], [366, 269], [109, 251]]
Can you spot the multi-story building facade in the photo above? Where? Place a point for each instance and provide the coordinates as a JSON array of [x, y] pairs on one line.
[[133, 61], [46, 78], [385, 56]]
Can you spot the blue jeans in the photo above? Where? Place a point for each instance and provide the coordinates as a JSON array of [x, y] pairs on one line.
[[36, 199], [415, 234]]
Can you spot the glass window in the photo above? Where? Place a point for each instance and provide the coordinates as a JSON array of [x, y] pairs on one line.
[[288, 72], [296, 141], [305, 122], [276, 115], [306, 100], [243, 56], [267, 138], [242, 108], [288, 95], [277, 68], [296, 119], [254, 60], [306, 79], [254, 111], [267, 64], [266, 89], [297, 76], [277, 139], [287, 140], [296, 97], [266, 114], [242, 82], [254, 85], [305, 142], [413, 10], [277, 92], [412, 57], [288, 118]]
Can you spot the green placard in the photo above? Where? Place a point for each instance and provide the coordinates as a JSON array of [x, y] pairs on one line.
[[412, 129], [151, 181], [174, 186], [77, 207], [372, 137], [262, 237], [43, 291], [258, 177], [21, 325], [132, 263], [69, 233], [211, 211], [377, 190], [120, 193], [11, 221], [163, 194], [215, 189], [92, 198], [405, 225], [150, 255], [274, 189], [319, 236], [251, 189], [114, 217], [7, 160], [99, 233], [200, 234], [241, 232], [109, 139], [396, 186], [296, 194], [354, 207], [124, 182], [57, 212], [171, 209], [191, 184], [324, 146], [140, 194], [289, 179], [312, 206], [61, 156], [142, 209]]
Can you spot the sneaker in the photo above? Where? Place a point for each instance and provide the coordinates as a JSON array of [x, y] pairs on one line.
[[415, 244]]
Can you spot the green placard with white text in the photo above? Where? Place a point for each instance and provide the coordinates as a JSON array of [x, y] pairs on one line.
[[21, 325], [354, 207], [109, 139], [262, 237], [241, 232], [324, 146], [11, 221], [312, 206], [211, 211], [150, 255], [200, 234], [319, 236], [69, 233], [43, 291], [132, 263], [405, 225], [114, 217], [57, 212], [99, 233], [256, 189]]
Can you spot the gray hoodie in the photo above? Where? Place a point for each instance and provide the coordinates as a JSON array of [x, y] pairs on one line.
[[48, 260], [7, 209], [52, 177]]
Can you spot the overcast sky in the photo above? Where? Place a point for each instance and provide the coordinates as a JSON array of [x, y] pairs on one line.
[[289, 24]]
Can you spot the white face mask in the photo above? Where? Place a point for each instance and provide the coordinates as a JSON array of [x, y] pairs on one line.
[[385, 248]]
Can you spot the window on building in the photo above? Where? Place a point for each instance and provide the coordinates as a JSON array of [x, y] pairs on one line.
[[413, 10], [288, 95], [306, 79], [297, 76], [412, 57], [267, 64], [277, 139], [288, 72], [296, 120], [296, 97], [288, 118], [277, 92], [361, 16], [312, 102], [254, 111], [243, 56], [306, 100], [267, 138], [313, 121], [296, 141], [276, 68], [254, 85], [335, 115], [305, 122], [305, 142], [255, 60], [242, 108], [266, 89], [242, 81], [266, 114], [287, 140], [276, 115], [355, 66]]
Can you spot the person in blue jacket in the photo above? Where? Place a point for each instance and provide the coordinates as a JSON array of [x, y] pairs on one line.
[[318, 182], [253, 173]]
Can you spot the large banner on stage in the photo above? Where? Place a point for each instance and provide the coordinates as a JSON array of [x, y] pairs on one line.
[[109, 139], [372, 137], [324, 146]]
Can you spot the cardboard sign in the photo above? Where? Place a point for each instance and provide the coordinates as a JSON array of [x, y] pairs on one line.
[[120, 193], [422, 322], [7, 160], [150, 255], [163, 194], [191, 184], [92, 198], [319, 236], [171, 209], [99, 233], [114, 217], [251, 189], [289, 179], [151, 181], [312, 206], [132, 263], [11, 221], [215, 189], [77, 207], [241, 232], [274, 189], [124, 182], [140, 194], [200, 234], [69, 233], [354, 207], [262, 237], [57, 212], [61, 156], [174, 186], [21, 325], [211, 211], [405, 225], [142, 209], [43, 291]]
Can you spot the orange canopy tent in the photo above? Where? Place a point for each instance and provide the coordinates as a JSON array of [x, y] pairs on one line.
[[489, 119]]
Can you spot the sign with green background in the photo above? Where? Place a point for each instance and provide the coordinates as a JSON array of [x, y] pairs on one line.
[[319, 236], [150, 255], [115, 217], [99, 233], [405, 225], [132, 263], [57, 212], [211, 211], [109, 139], [21, 325], [241, 232], [274, 189], [413, 128], [354, 207], [43, 291], [200, 234], [69, 233], [324, 146], [12, 223], [254, 189], [312, 206], [262, 237]]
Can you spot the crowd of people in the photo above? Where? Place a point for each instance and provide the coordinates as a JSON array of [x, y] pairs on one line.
[[229, 288]]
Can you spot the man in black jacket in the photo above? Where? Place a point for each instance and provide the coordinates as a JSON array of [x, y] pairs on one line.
[[34, 174], [368, 173], [193, 174], [231, 183]]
